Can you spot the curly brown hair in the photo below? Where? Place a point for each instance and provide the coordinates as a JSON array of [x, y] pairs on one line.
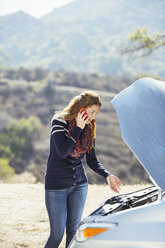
[[85, 99]]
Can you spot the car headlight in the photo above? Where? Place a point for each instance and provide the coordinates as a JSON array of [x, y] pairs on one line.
[[88, 230]]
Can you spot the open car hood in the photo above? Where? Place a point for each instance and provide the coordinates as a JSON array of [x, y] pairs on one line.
[[141, 112]]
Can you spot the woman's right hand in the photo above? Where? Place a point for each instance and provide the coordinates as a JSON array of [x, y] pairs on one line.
[[114, 183], [81, 119]]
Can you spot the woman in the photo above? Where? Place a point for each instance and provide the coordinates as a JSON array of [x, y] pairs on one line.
[[72, 137]]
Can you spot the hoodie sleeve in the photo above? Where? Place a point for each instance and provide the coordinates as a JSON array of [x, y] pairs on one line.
[[94, 164], [63, 143]]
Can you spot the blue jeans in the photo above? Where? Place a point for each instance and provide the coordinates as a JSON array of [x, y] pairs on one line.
[[65, 208]]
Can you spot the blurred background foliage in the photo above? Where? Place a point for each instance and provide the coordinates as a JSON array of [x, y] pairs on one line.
[[16, 144], [144, 44]]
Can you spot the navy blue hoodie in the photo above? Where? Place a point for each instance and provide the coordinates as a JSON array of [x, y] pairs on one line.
[[64, 170]]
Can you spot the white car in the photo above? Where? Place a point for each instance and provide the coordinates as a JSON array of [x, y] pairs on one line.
[[134, 220]]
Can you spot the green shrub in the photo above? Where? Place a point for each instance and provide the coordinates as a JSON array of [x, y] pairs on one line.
[[5, 151], [6, 171], [16, 140], [19, 136]]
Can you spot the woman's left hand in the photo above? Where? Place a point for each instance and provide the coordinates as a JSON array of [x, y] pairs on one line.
[[114, 183]]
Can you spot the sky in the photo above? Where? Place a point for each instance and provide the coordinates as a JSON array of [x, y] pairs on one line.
[[36, 8]]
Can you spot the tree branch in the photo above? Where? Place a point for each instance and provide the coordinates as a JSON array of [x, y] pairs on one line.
[[142, 43]]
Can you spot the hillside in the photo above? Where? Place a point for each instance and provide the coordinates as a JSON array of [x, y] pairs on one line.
[[40, 97], [83, 36]]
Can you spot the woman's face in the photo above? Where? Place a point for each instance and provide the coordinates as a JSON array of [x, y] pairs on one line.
[[92, 111]]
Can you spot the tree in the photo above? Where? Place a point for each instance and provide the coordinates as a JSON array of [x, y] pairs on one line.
[[6, 170], [142, 44], [16, 143]]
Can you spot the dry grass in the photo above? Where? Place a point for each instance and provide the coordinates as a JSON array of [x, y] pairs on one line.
[[23, 217]]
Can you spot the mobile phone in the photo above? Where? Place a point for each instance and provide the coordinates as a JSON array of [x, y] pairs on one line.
[[83, 110]]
